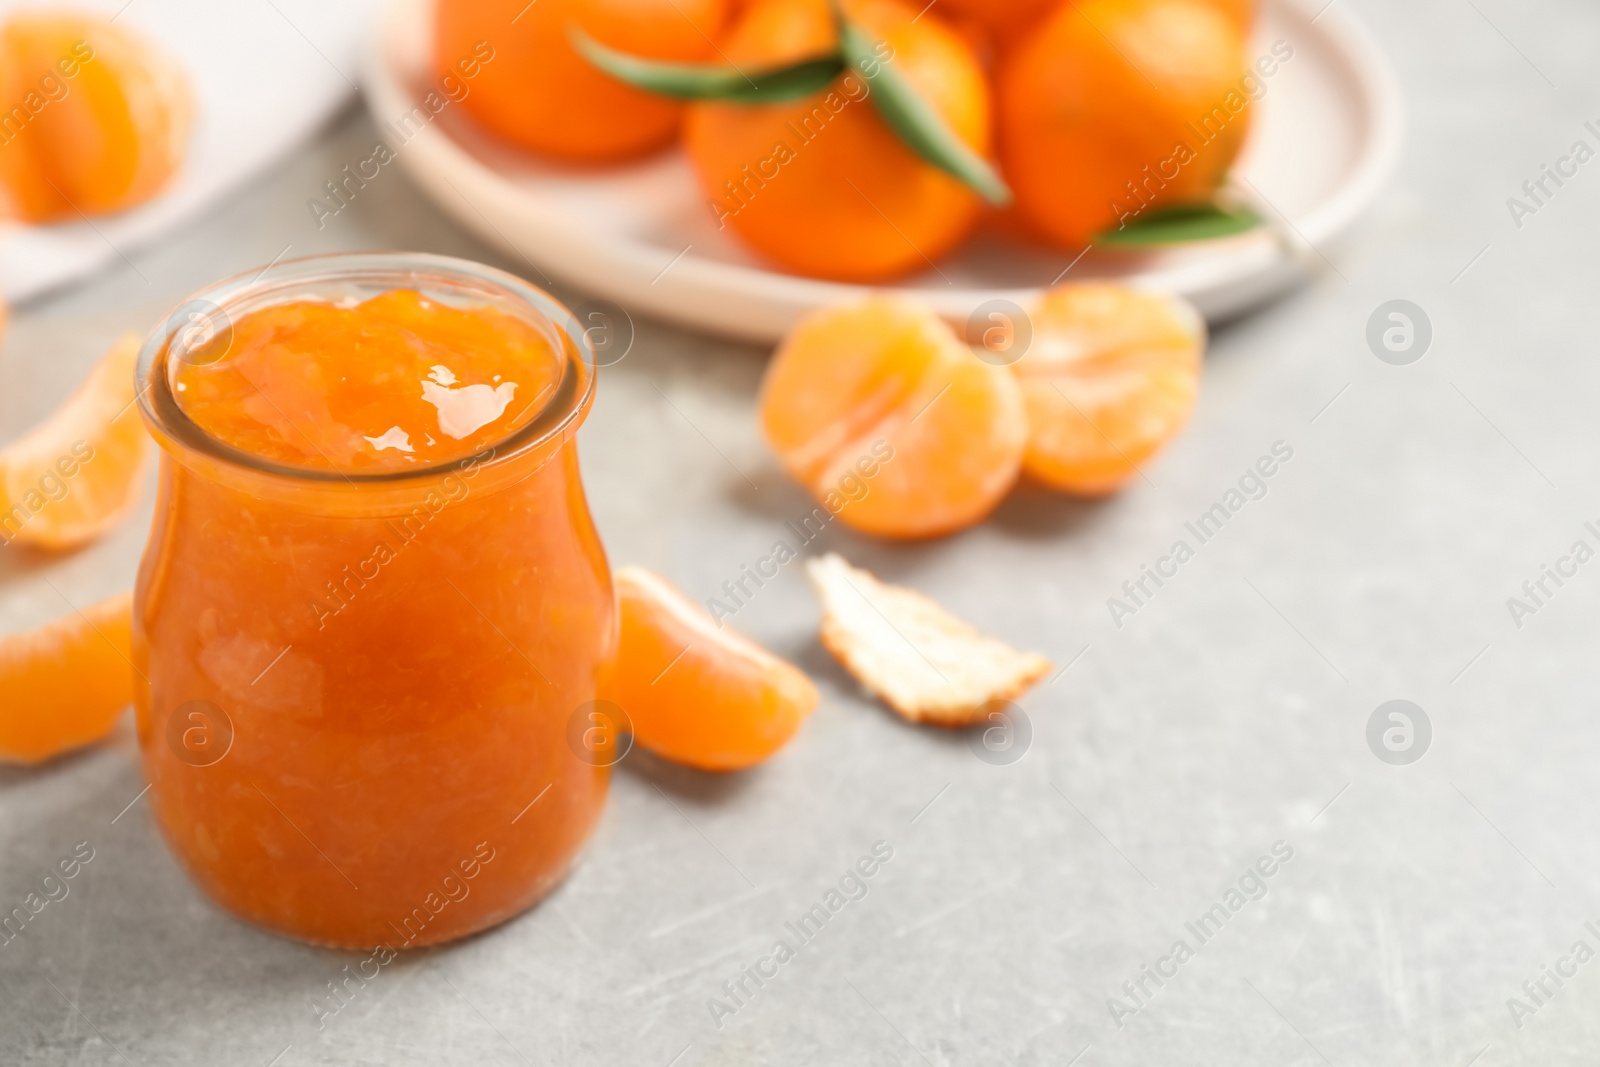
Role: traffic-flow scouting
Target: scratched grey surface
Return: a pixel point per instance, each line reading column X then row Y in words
column 1229, row 713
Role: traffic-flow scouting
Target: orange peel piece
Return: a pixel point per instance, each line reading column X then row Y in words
column 76, row 475
column 697, row 694
column 912, row 654
column 65, row 684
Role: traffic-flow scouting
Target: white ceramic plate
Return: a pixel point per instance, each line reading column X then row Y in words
column 1327, row 133
column 267, row 74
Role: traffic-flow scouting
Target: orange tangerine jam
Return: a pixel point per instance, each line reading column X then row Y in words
column 373, row 600
column 396, row 380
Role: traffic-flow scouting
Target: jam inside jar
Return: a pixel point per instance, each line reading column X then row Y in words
column 373, row 603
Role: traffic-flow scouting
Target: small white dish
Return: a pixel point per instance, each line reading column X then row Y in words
column 1327, row 134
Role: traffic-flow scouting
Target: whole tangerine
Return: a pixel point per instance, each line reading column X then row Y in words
column 821, row 184
column 1113, row 108
column 1007, row 20
column 536, row 91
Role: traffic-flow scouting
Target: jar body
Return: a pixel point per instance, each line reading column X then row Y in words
column 355, row 720
column 360, row 682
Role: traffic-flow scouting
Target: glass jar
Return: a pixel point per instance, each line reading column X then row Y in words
column 358, row 686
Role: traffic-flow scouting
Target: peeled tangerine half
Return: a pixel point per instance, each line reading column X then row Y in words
column 75, row 475
column 697, row 694
column 99, row 116
column 1109, row 378
column 912, row 654
column 881, row 411
column 64, row 684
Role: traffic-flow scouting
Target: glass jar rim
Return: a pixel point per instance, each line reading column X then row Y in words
column 566, row 405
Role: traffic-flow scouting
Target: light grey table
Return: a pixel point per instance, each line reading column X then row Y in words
column 1228, row 714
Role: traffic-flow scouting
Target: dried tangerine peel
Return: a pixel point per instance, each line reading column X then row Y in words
column 76, row 475
column 1110, row 377
column 912, row 654
column 65, row 684
column 696, row 694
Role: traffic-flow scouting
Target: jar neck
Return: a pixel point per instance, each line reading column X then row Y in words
column 517, row 456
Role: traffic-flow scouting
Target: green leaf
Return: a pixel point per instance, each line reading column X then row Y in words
column 913, row 119
column 1180, row 224
column 692, row 81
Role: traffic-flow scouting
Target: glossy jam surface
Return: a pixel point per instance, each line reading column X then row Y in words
column 355, row 723
column 397, row 380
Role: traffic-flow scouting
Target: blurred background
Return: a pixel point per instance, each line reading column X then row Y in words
column 1416, row 908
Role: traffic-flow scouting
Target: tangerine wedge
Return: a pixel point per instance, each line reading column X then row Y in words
column 1109, row 378
column 64, row 685
column 100, row 116
column 76, row 475
column 697, row 694
column 890, row 421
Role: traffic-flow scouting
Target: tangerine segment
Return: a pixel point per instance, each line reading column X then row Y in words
column 1109, row 378
column 76, row 475
column 525, row 82
column 697, row 694
column 821, row 185
column 65, row 684
column 1112, row 108
column 101, row 120
column 890, row 421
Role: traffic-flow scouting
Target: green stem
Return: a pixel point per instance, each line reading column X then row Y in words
column 913, row 119
column 1179, row 224
column 692, row 81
